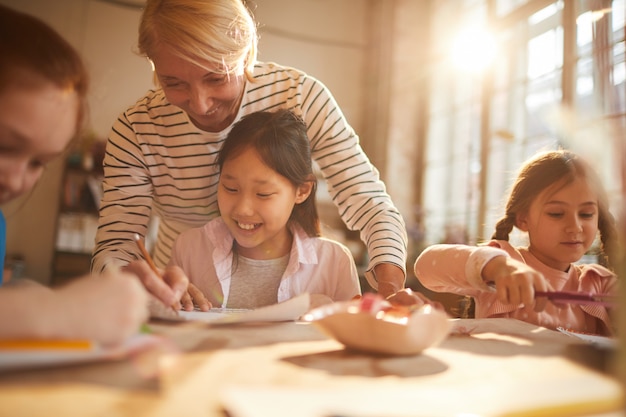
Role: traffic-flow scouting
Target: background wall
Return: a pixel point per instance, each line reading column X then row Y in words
column 328, row 39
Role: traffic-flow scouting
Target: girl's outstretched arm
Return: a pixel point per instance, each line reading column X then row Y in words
column 472, row 270
column 455, row 268
column 105, row 309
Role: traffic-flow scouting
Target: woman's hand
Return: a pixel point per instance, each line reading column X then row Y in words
column 515, row 282
column 408, row 297
column 168, row 288
column 390, row 279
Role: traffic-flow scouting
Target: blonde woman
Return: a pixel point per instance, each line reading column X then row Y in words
column 161, row 153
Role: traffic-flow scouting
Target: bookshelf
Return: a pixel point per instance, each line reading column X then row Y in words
column 77, row 221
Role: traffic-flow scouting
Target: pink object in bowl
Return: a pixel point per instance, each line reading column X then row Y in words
column 372, row 325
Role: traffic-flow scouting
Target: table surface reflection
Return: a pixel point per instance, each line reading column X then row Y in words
column 487, row 367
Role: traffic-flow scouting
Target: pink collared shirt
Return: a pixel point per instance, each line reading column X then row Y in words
column 316, row 265
column 457, row 269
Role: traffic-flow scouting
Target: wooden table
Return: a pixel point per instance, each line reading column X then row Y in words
column 491, row 367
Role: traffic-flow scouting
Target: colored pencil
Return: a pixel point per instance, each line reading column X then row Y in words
column 43, row 344
column 150, row 262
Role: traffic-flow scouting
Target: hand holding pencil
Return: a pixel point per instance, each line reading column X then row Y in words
column 167, row 286
column 146, row 255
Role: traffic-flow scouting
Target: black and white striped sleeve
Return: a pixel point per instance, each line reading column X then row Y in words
column 353, row 182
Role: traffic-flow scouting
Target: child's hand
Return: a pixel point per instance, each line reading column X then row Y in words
column 194, row 297
column 107, row 308
column 515, row 282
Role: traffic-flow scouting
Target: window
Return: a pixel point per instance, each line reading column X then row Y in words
column 558, row 80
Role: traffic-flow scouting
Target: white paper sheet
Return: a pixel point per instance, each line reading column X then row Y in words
column 288, row 310
column 600, row 341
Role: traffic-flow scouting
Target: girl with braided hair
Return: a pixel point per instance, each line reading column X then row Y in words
column 559, row 201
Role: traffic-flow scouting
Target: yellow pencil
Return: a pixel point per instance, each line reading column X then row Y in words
column 43, row 344
column 148, row 259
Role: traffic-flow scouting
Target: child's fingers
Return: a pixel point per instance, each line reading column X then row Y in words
column 186, row 302
column 527, row 295
column 199, row 298
column 502, row 292
column 541, row 302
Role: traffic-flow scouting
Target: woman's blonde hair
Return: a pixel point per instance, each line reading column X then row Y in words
column 220, row 32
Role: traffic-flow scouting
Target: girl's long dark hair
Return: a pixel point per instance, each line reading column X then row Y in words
column 548, row 169
column 281, row 140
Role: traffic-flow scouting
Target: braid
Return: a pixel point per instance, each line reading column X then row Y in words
column 504, row 227
column 608, row 238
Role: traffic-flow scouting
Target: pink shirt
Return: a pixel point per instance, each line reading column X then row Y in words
column 316, row 265
column 457, row 269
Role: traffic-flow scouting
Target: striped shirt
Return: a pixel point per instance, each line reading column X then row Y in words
column 157, row 162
